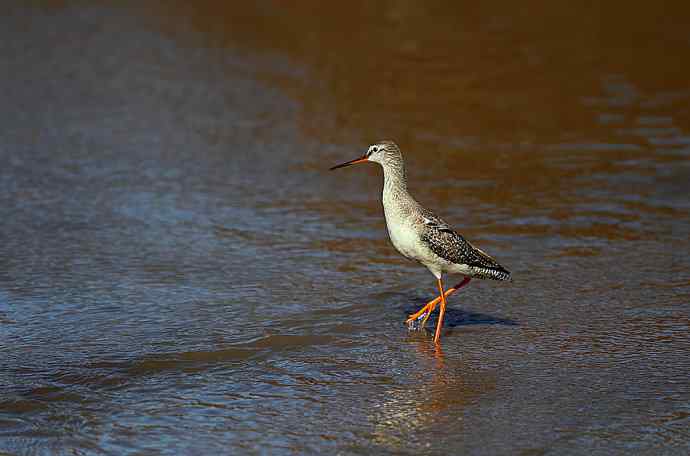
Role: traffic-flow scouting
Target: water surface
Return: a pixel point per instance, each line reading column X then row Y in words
column 179, row 274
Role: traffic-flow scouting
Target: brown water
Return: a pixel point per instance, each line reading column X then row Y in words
column 179, row 274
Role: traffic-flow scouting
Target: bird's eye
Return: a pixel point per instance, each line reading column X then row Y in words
column 375, row 149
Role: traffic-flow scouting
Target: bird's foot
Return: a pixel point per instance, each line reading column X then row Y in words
column 416, row 324
column 421, row 313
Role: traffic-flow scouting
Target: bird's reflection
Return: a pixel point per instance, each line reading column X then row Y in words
column 438, row 386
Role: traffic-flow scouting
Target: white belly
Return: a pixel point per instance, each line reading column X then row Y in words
column 405, row 239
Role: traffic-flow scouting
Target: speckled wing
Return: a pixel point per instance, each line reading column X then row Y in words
column 446, row 243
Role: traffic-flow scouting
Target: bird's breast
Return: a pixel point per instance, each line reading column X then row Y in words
column 403, row 235
column 403, row 239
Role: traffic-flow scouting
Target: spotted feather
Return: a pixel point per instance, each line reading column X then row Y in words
column 453, row 247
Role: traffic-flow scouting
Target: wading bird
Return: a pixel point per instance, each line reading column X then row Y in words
column 420, row 235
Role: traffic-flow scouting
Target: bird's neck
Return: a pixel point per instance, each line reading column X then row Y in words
column 394, row 180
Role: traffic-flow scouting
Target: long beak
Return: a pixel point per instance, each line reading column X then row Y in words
column 351, row 162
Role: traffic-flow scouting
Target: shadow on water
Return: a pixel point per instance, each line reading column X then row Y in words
column 458, row 317
column 454, row 316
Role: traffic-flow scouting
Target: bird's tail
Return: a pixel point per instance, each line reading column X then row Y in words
column 496, row 273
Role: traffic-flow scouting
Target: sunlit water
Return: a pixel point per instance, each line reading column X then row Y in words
column 180, row 274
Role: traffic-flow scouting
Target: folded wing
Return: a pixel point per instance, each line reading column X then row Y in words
column 451, row 246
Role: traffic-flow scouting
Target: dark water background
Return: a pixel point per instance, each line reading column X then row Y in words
column 179, row 274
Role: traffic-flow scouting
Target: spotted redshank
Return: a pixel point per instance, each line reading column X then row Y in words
column 420, row 235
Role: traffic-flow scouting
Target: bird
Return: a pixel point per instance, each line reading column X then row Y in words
column 418, row 234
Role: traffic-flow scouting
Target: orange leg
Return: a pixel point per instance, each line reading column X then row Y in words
column 437, row 336
column 426, row 311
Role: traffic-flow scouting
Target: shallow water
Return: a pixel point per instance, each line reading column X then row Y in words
column 179, row 273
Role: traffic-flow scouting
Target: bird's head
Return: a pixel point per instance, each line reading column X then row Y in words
column 382, row 152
